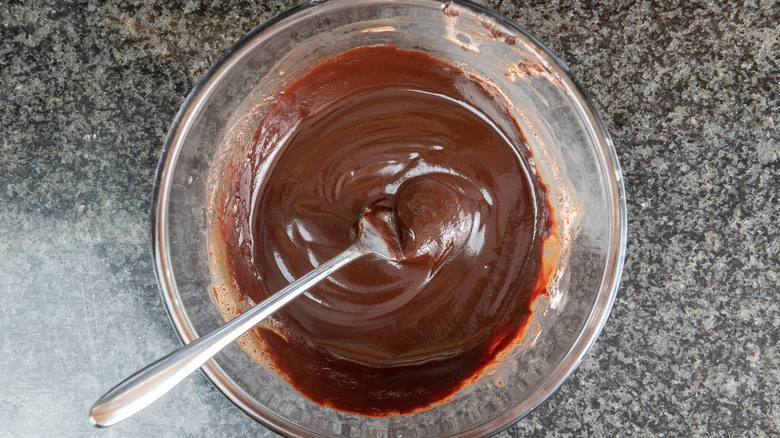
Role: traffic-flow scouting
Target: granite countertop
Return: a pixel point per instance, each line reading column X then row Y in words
column 690, row 92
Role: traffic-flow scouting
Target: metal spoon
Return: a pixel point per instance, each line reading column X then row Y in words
column 376, row 236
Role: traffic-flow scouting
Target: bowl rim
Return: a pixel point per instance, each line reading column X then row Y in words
column 181, row 123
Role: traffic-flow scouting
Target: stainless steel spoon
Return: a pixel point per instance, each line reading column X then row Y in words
column 376, row 236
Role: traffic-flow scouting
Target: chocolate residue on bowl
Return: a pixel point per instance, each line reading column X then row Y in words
column 381, row 338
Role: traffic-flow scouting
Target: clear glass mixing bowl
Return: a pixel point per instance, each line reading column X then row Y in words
column 571, row 147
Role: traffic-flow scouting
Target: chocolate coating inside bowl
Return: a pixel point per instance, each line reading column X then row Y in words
column 381, row 338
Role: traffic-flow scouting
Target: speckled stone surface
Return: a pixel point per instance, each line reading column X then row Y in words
column 690, row 92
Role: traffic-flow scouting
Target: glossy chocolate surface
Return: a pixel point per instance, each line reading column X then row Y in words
column 435, row 144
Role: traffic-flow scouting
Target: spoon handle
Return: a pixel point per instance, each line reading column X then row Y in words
column 147, row 385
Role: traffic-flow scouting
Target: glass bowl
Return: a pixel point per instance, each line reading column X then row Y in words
column 572, row 150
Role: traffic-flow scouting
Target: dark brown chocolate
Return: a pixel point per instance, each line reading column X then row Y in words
column 379, row 337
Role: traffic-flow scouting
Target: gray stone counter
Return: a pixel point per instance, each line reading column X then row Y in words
column 690, row 92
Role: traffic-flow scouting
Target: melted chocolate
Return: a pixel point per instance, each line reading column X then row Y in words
column 436, row 145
